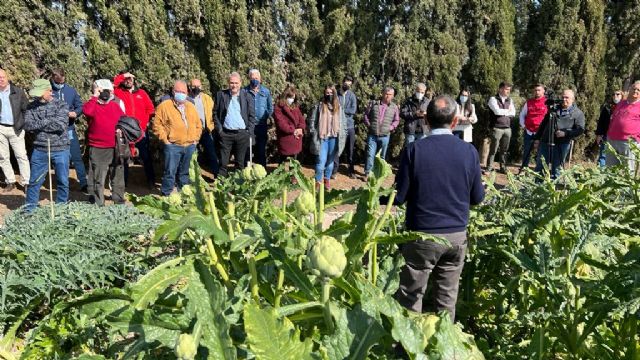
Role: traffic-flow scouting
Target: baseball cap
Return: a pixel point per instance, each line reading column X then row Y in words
column 39, row 87
column 104, row 84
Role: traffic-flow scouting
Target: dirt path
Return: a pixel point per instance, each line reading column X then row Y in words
column 15, row 199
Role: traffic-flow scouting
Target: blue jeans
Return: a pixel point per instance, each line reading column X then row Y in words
column 526, row 150
column 602, row 154
column 409, row 138
column 324, row 163
column 373, row 143
column 559, row 154
column 39, row 168
column 176, row 162
column 209, row 151
column 76, row 156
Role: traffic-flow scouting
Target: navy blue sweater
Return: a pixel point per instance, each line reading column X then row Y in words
column 439, row 178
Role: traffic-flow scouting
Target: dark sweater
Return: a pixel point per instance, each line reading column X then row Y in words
column 570, row 120
column 439, row 178
column 48, row 121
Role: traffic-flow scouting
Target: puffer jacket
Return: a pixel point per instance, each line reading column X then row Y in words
column 49, row 122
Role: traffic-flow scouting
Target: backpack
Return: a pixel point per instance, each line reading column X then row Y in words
column 129, row 134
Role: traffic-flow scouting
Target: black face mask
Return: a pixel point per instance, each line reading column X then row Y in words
column 195, row 91
column 345, row 87
column 105, row 95
column 328, row 99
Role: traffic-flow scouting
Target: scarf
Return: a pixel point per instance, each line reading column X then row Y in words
column 329, row 123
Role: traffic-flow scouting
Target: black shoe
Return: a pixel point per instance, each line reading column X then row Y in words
column 352, row 175
column 85, row 190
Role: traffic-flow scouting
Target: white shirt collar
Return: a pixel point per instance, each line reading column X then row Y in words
column 441, row 131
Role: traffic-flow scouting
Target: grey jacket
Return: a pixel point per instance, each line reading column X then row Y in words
column 48, row 121
column 571, row 121
column 349, row 103
column 312, row 127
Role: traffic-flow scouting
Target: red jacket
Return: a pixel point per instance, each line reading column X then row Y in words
column 288, row 119
column 137, row 103
column 103, row 119
column 536, row 111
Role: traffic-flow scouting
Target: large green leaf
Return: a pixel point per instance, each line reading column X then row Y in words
column 273, row 338
column 356, row 332
column 206, row 298
column 450, row 343
column 146, row 290
column 203, row 225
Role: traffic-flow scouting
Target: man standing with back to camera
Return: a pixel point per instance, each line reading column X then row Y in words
column 439, row 178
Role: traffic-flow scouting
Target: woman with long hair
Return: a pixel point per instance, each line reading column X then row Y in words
column 466, row 116
column 290, row 124
column 327, row 127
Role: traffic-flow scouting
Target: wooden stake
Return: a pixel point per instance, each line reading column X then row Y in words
column 50, row 180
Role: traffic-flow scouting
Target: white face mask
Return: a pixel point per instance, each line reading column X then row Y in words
column 463, row 99
column 419, row 96
column 290, row 100
column 616, row 100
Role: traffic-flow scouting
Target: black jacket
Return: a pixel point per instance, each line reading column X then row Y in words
column 571, row 122
column 19, row 102
column 603, row 121
column 412, row 123
column 247, row 109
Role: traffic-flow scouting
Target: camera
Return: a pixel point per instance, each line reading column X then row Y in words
column 553, row 102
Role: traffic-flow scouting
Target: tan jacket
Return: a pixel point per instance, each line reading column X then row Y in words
column 207, row 102
column 169, row 126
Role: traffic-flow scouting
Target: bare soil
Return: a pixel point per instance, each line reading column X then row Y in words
column 10, row 201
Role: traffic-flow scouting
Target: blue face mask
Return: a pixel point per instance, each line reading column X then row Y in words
column 463, row 99
column 180, row 97
column 254, row 83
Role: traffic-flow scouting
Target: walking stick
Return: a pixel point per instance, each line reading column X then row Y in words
column 250, row 150
column 50, row 180
column 570, row 154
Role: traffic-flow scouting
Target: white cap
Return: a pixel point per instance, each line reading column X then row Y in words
column 104, row 84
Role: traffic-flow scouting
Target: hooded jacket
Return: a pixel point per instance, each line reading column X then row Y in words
column 137, row 103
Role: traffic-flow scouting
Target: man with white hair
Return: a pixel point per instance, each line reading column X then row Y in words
column 178, row 126
column 414, row 113
column 103, row 112
column 13, row 103
column 556, row 132
column 235, row 116
column 263, row 103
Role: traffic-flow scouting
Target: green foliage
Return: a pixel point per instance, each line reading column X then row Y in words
column 240, row 287
column 44, row 259
column 549, row 270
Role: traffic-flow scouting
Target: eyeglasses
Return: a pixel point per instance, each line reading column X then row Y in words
column 635, row 89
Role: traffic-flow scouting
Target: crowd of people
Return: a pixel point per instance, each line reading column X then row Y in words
column 439, row 176
column 234, row 124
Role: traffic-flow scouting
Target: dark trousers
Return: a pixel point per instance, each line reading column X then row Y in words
column 500, row 139
column 261, row 135
column 232, row 141
column 145, row 155
column 209, row 151
column 443, row 264
column 527, row 149
column 349, row 147
column 76, row 156
column 554, row 156
column 102, row 162
column 176, row 162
